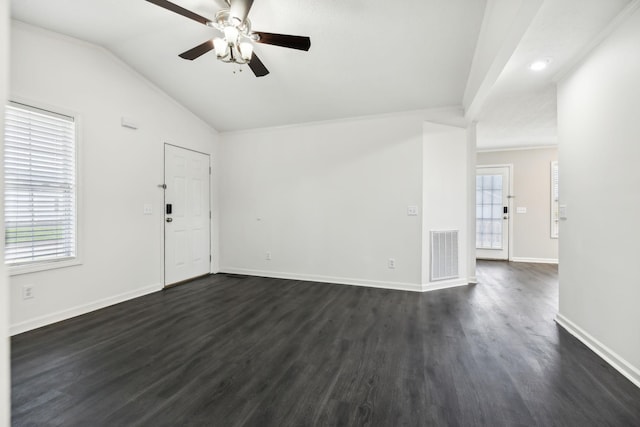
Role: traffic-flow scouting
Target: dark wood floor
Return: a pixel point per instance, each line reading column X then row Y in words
column 225, row 351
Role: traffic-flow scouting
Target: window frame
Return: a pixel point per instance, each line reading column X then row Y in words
column 43, row 265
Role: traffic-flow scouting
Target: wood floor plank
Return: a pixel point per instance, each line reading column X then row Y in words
column 233, row 351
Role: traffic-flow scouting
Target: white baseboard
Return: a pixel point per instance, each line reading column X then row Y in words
column 444, row 284
column 398, row 286
column 535, row 260
column 48, row 319
column 620, row 364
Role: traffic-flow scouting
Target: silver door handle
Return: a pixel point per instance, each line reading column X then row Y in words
column 504, row 217
column 169, row 219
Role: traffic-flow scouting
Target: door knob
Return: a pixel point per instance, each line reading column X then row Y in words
column 169, row 219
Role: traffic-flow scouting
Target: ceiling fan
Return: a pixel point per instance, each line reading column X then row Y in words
column 236, row 45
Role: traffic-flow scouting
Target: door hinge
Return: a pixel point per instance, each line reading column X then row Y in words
column 209, row 170
column 209, row 214
column 209, row 258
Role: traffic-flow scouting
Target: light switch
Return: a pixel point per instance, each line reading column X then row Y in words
column 148, row 209
column 412, row 210
column 521, row 210
column 563, row 211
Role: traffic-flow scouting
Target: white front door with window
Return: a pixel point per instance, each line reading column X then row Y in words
column 492, row 212
column 186, row 214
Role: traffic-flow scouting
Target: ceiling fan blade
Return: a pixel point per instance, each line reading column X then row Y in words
column 197, row 51
column 180, row 11
column 284, row 40
column 257, row 66
column 240, row 9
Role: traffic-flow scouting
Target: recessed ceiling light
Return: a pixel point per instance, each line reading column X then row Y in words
column 540, row 64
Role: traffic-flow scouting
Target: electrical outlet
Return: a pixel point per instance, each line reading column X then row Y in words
column 391, row 263
column 268, row 257
column 27, row 292
column 147, row 209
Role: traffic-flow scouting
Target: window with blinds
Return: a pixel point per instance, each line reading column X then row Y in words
column 555, row 211
column 40, row 186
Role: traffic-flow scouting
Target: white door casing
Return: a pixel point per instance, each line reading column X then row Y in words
column 187, row 248
column 492, row 212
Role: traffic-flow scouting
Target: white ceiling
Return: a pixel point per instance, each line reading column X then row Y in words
column 366, row 57
column 521, row 109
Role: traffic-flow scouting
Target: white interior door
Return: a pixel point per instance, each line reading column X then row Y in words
column 492, row 212
column 187, row 252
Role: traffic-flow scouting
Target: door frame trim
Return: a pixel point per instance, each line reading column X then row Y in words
column 188, row 149
column 510, row 204
column 162, row 214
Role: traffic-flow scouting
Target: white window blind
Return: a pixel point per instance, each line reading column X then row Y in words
column 40, row 185
column 555, row 212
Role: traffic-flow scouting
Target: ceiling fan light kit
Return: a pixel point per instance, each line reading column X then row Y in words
column 236, row 43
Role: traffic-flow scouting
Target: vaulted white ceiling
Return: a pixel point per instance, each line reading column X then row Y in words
column 366, row 57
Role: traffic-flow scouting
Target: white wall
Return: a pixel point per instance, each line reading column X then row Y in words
column 445, row 176
column 599, row 134
column 327, row 200
column 531, row 231
column 120, row 171
column 472, row 145
column 4, row 283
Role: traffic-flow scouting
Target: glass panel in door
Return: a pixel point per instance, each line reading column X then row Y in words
column 492, row 225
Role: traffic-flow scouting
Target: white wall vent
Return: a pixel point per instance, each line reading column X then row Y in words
column 444, row 255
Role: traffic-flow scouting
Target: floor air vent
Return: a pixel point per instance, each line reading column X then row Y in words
column 444, row 255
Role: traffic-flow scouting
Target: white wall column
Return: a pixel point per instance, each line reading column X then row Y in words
column 471, row 201
column 444, row 196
